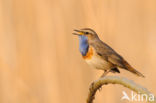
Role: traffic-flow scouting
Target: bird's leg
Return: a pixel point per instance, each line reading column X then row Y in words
column 105, row 73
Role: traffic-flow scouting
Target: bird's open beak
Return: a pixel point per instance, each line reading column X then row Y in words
column 78, row 32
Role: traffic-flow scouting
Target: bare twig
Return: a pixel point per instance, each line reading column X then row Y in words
column 116, row 80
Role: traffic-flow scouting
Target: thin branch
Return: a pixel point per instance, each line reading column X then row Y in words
column 116, row 80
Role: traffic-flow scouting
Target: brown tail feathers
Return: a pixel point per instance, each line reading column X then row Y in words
column 131, row 69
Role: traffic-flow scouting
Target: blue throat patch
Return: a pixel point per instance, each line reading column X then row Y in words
column 83, row 44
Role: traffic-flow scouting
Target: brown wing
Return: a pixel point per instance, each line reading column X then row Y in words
column 116, row 60
column 108, row 53
column 111, row 56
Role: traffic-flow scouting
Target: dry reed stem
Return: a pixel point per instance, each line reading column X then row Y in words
column 116, row 80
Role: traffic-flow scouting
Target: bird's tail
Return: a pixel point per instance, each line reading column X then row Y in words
column 131, row 69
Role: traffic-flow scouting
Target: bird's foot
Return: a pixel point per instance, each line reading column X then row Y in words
column 103, row 75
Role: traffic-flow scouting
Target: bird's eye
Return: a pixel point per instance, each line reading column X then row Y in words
column 86, row 32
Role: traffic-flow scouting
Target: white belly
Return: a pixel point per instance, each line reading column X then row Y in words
column 98, row 63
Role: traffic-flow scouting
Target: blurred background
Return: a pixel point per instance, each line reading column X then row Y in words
column 39, row 57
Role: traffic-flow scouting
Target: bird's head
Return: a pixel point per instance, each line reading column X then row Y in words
column 87, row 32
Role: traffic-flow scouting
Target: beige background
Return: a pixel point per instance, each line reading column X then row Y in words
column 39, row 57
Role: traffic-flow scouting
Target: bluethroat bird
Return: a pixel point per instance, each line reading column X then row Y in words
column 99, row 55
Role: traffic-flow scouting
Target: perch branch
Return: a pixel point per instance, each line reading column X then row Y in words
column 116, row 80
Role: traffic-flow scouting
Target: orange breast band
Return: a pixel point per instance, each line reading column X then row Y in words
column 89, row 54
